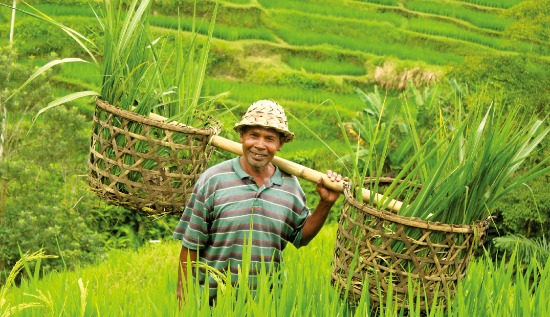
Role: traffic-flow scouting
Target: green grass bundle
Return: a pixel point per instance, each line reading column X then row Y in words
column 465, row 160
column 451, row 176
column 136, row 162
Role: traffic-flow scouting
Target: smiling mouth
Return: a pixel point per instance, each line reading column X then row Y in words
column 257, row 155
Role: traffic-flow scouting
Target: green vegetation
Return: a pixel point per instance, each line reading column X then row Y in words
column 222, row 31
column 326, row 67
column 465, row 155
column 451, row 9
column 443, row 28
column 143, row 283
column 494, row 3
column 305, row 55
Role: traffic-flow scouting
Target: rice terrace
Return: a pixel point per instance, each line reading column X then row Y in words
column 435, row 113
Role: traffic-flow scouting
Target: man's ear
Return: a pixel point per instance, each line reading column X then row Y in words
column 281, row 143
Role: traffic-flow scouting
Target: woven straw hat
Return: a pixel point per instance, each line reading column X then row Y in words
column 267, row 114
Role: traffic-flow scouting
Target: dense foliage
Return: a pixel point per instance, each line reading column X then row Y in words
column 42, row 177
column 143, row 284
column 44, row 201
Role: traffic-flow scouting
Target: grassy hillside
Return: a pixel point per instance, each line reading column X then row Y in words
column 304, row 53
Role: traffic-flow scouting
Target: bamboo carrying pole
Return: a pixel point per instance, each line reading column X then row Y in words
column 303, row 172
column 297, row 170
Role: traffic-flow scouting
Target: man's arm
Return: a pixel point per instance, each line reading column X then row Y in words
column 186, row 254
column 315, row 221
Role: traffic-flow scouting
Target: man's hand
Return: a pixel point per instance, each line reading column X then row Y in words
column 317, row 219
column 328, row 195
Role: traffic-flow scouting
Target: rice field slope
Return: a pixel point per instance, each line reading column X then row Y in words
column 309, row 54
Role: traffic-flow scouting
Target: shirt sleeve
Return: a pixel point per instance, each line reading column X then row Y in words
column 192, row 228
column 296, row 237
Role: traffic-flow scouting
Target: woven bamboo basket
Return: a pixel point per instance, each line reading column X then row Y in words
column 143, row 164
column 432, row 256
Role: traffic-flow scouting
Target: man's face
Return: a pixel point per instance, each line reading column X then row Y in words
column 260, row 145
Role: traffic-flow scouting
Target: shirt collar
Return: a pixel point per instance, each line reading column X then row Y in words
column 276, row 178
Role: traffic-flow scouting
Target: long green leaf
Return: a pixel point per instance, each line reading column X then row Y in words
column 44, row 69
column 79, row 38
column 65, row 99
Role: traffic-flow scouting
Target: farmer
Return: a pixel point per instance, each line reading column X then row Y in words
column 249, row 197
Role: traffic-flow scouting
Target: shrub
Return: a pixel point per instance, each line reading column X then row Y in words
column 47, row 204
column 526, row 210
column 27, row 30
column 522, row 79
column 44, row 199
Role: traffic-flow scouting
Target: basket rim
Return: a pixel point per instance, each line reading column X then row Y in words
column 413, row 221
column 173, row 125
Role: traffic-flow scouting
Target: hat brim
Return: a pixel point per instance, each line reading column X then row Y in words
column 288, row 136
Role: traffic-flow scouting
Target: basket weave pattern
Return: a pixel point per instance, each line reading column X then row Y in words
column 387, row 250
column 144, row 164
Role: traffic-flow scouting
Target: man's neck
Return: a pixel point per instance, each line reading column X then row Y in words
column 260, row 174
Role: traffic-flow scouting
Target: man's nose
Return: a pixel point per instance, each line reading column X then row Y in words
column 260, row 143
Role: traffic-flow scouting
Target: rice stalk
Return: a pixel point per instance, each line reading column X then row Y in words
column 83, row 296
column 6, row 309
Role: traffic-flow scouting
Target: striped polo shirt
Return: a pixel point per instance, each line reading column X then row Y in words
column 228, row 208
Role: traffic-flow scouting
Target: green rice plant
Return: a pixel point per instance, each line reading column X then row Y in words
column 478, row 166
column 338, row 9
column 326, row 67
column 119, row 286
column 487, row 284
column 222, row 31
column 447, row 29
column 470, row 161
column 8, row 309
column 526, row 248
column 505, row 4
column 381, row 38
column 481, row 19
column 134, row 68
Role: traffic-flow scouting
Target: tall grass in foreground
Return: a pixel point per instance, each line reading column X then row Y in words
column 142, row 283
column 37, row 300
